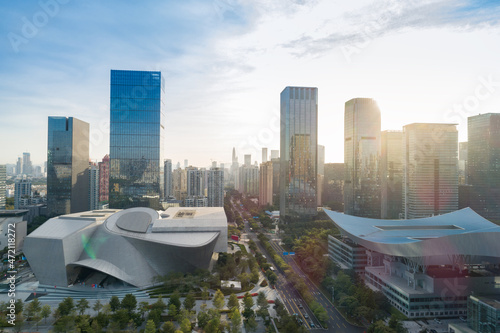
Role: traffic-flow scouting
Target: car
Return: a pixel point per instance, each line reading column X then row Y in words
column 437, row 321
column 306, row 316
column 462, row 318
column 301, row 306
column 311, row 324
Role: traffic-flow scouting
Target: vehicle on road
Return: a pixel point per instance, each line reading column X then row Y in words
column 300, row 306
column 311, row 324
column 306, row 316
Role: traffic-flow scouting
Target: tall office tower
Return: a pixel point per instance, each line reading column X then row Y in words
column 361, row 158
column 27, row 165
column 137, row 132
column 194, row 182
column 19, row 166
column 179, row 183
column 264, row 155
column 333, row 186
column 483, row 164
column 67, row 166
column 248, row 160
column 275, row 154
column 276, row 179
column 3, row 187
column 104, row 179
column 266, row 184
column 22, row 190
column 214, row 164
column 167, row 174
column 430, row 169
column 234, row 170
column 45, row 168
column 321, row 174
column 186, row 164
column 462, row 162
column 178, row 165
column 298, row 149
column 93, row 186
column 215, row 190
column 391, row 175
column 37, row 171
column 249, row 180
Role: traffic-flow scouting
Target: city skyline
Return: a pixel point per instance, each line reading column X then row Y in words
column 362, row 49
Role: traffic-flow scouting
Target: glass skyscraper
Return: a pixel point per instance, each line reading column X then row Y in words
column 299, row 148
column 361, row 158
column 67, row 166
column 137, row 128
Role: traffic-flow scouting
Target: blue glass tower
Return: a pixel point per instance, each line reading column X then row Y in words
column 298, row 149
column 137, row 126
column 67, row 166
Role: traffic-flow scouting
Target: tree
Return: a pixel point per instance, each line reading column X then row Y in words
column 172, row 310
column 186, row 326
column 218, row 300
column 263, row 311
column 203, row 319
column 168, row 327
column 66, row 306
column 45, row 312
column 251, row 324
column 155, row 316
column 396, row 325
column 175, row 299
column 248, row 304
column 82, row 305
column 159, row 305
column 32, row 309
column 114, row 303
column 129, row 303
column 233, row 302
column 235, row 320
column 189, row 301
column 121, row 317
column 97, row 306
column 379, row 327
column 143, row 308
column 150, row 327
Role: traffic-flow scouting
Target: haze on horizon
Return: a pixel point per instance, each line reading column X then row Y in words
column 225, row 63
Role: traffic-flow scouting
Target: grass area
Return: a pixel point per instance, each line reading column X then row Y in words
column 242, row 247
column 394, row 312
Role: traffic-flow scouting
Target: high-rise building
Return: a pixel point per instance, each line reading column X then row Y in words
column 298, row 149
column 235, row 170
column 27, row 165
column 3, row 179
column 430, row 169
column 186, row 164
column 266, row 184
column 483, row 164
column 194, row 182
column 333, row 186
column 361, row 158
column 19, row 166
column 167, row 174
column 264, row 155
column 462, row 163
column 22, row 190
column 248, row 160
column 67, row 166
column 104, row 179
column 137, row 132
column 275, row 154
column 249, row 180
column 179, row 183
column 93, row 186
column 276, row 178
column 391, row 175
column 321, row 174
column 215, row 187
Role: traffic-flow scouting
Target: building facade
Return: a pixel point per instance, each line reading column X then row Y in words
column 67, row 166
column 104, row 179
column 266, row 184
column 3, row 186
column 391, row 175
column 361, row 158
column 483, row 164
column 215, row 187
column 137, row 132
column 27, row 165
column 430, row 169
column 167, row 174
column 298, row 152
column 93, row 186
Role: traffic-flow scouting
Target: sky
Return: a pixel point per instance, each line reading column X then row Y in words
column 225, row 63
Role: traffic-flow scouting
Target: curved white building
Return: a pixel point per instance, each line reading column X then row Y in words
column 426, row 267
column 133, row 245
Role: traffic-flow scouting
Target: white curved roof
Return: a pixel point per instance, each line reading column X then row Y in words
column 459, row 232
